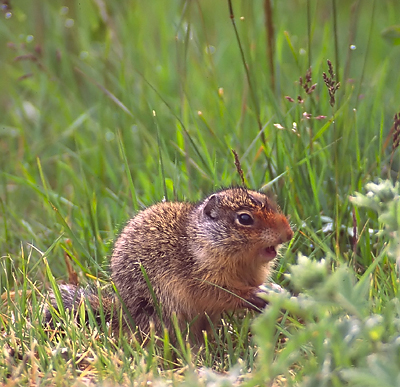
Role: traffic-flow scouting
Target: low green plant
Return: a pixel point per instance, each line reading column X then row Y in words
column 333, row 330
column 384, row 199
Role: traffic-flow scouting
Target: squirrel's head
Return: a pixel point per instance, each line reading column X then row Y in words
column 240, row 222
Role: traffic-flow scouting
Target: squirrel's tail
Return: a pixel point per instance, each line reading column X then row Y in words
column 102, row 304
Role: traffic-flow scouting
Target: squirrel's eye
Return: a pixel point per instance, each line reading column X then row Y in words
column 245, row 219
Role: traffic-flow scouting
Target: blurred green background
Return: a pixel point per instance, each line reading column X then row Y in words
column 106, row 107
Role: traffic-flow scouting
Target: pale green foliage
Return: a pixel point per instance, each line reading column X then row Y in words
column 384, row 198
column 308, row 273
column 337, row 340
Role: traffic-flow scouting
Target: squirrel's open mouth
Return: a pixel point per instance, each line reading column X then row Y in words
column 269, row 253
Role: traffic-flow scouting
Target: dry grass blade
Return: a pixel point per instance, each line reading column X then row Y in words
column 238, row 167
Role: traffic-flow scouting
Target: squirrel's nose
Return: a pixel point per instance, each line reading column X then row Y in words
column 286, row 232
column 289, row 234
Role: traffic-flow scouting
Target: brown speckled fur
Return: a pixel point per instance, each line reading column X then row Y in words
column 198, row 259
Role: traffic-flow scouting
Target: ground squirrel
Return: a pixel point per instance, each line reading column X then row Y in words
column 200, row 260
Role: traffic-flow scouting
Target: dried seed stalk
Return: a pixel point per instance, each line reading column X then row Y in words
column 331, row 83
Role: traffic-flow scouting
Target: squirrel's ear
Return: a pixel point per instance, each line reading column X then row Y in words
column 210, row 206
column 256, row 201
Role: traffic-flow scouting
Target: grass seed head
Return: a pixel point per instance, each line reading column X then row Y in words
column 331, row 83
column 396, row 132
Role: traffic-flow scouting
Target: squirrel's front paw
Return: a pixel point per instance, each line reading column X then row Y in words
column 272, row 288
column 255, row 301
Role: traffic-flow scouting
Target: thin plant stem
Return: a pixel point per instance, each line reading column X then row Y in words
column 336, row 38
column 371, row 26
column 246, row 68
column 309, row 33
column 269, row 26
